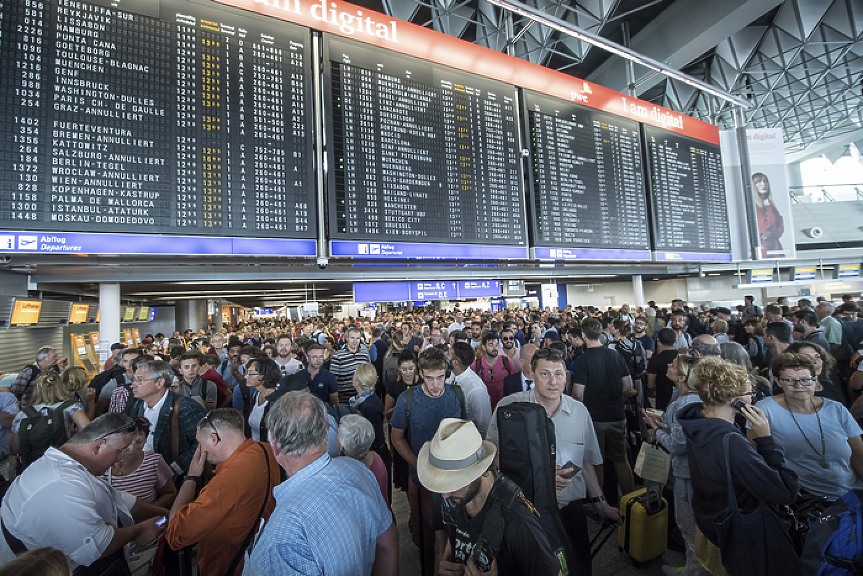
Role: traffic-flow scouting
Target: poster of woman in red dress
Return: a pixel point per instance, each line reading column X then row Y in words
column 771, row 226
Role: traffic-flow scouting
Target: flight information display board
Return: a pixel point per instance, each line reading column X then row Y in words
column 587, row 182
column 154, row 118
column 420, row 153
column 687, row 197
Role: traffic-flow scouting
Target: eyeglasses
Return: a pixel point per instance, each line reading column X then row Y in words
column 124, row 429
column 141, row 380
column 508, row 339
column 798, row 381
column 211, row 425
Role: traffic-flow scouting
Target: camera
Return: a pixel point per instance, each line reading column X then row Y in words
column 323, row 263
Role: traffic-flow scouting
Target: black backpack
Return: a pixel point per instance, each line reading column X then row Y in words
column 527, row 450
column 634, row 355
column 40, row 429
column 35, row 372
column 102, row 378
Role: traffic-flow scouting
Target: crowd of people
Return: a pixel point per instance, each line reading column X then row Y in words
column 276, row 447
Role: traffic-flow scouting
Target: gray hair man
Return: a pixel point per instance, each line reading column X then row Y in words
column 326, row 500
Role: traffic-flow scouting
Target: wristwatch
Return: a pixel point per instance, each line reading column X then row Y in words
column 195, row 479
column 594, row 500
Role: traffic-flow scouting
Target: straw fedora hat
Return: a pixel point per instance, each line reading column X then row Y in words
column 455, row 457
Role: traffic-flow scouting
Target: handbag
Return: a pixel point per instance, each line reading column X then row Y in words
column 751, row 542
column 653, row 463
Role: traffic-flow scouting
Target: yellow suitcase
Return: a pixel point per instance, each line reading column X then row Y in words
column 644, row 534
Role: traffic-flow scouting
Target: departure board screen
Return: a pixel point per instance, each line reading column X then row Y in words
column 687, row 193
column 143, row 117
column 420, row 152
column 587, row 181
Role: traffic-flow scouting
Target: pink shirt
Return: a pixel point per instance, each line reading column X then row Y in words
column 493, row 377
column 144, row 482
column 380, row 472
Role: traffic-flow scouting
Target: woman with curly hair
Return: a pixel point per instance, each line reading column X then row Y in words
column 733, row 481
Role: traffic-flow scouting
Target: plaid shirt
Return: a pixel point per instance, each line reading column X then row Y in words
column 191, row 412
column 119, row 397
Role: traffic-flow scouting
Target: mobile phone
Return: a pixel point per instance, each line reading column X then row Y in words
column 739, row 405
column 161, row 521
column 570, row 473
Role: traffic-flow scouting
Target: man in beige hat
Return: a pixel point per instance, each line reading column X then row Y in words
column 484, row 524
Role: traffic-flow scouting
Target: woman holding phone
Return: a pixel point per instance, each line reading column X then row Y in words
column 733, row 481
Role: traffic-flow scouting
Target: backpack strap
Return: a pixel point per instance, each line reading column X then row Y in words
column 459, row 393
column 409, row 400
column 503, row 496
column 248, row 540
column 175, row 430
column 851, row 500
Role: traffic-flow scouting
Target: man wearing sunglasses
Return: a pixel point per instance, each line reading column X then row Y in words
column 59, row 501
column 154, row 401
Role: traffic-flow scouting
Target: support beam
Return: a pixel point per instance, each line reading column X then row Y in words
column 109, row 319
column 680, row 34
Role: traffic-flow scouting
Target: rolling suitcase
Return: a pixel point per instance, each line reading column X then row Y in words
column 644, row 534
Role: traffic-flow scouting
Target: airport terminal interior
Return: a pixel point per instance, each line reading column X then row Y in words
column 213, row 164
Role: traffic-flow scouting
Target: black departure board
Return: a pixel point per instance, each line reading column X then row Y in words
column 143, row 117
column 420, row 153
column 587, row 181
column 687, row 193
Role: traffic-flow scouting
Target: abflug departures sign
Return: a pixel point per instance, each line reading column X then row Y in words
column 149, row 118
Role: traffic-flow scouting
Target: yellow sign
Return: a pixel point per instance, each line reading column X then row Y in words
column 144, row 314
column 130, row 314
column 78, row 315
column 26, row 312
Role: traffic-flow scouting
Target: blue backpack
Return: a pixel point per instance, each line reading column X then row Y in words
column 834, row 545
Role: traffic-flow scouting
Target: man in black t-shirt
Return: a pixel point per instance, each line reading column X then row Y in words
column 601, row 380
column 657, row 368
column 457, row 465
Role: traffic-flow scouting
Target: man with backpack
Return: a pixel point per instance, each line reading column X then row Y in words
column 416, row 417
column 577, row 448
column 46, row 359
column 475, row 496
column 602, row 380
column 492, row 367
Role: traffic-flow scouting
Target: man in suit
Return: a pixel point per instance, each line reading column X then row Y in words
column 154, row 401
column 521, row 381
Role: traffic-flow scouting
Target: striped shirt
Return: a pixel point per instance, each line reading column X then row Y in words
column 144, row 482
column 343, row 365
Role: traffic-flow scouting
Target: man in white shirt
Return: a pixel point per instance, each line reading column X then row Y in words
column 285, row 359
column 59, row 501
column 476, row 398
column 458, row 324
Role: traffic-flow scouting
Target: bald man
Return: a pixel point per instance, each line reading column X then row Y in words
column 521, row 381
column 705, row 345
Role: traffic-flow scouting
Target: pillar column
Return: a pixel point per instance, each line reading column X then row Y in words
column 217, row 316
column 190, row 314
column 638, row 289
column 109, row 319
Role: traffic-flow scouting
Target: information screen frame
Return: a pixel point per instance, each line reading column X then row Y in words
column 47, row 236
column 663, row 253
column 544, row 249
column 385, row 246
column 78, row 313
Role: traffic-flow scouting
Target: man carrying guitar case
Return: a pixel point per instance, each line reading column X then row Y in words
column 547, row 445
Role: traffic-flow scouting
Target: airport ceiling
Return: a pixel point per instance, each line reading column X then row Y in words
column 799, row 62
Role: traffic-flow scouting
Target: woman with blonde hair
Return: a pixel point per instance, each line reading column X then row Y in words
column 733, row 481
column 75, row 380
column 367, row 404
column 49, row 396
column 38, row 562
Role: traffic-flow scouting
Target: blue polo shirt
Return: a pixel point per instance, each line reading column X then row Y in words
column 426, row 415
column 323, row 384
